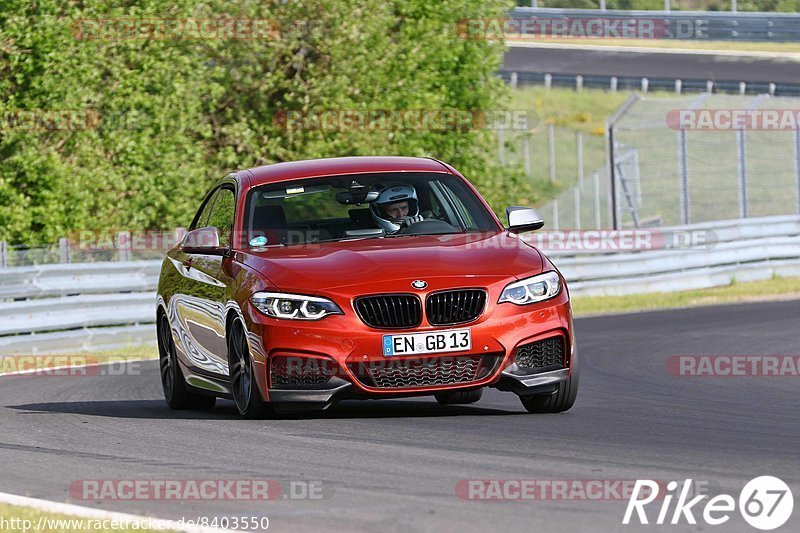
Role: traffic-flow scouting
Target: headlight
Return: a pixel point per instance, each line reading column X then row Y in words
column 294, row 306
column 533, row 289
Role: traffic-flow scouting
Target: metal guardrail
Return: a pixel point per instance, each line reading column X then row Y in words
column 693, row 25
column 636, row 83
column 70, row 312
column 716, row 233
column 81, row 340
column 83, row 278
column 700, row 278
column 739, row 250
column 65, row 306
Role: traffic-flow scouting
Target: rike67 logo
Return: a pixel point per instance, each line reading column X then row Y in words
column 765, row 502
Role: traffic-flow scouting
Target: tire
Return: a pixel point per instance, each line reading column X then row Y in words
column 459, row 397
column 243, row 386
column 176, row 392
column 557, row 402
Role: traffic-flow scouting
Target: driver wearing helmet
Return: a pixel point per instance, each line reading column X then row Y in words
column 396, row 207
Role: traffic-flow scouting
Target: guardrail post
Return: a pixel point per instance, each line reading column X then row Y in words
column 611, row 161
column 579, row 142
column 710, row 86
column 513, row 82
column 797, row 164
column 579, row 83
column 683, row 172
column 596, row 178
column 551, row 133
column 614, row 83
column 679, row 86
column 772, row 88
column 63, row 250
column 124, row 246
column 555, row 214
column 645, row 85
column 742, row 88
column 548, row 81
column 741, row 157
column 3, row 255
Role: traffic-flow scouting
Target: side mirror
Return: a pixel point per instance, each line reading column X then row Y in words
column 203, row 241
column 523, row 219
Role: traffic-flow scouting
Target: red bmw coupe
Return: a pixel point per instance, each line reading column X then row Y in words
column 305, row 283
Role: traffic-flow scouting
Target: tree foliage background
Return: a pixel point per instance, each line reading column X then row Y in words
column 177, row 114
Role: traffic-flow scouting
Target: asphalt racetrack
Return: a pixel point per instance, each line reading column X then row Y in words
column 617, row 62
column 394, row 465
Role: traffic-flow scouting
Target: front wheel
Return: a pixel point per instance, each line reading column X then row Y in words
column 243, row 385
column 559, row 401
column 176, row 393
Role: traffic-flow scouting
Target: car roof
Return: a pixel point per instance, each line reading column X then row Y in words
column 339, row 166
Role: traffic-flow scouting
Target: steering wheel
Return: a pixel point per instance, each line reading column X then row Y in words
column 429, row 227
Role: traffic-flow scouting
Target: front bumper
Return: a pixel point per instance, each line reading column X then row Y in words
column 347, row 343
column 539, row 383
column 288, row 400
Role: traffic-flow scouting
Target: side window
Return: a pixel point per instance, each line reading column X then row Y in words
column 203, row 214
column 463, row 213
column 222, row 215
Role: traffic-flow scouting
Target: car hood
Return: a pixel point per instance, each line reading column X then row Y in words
column 481, row 257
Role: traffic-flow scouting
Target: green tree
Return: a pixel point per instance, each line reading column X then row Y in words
column 170, row 116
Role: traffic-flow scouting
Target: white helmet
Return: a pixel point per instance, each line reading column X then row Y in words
column 391, row 195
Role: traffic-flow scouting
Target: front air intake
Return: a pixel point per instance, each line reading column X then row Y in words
column 447, row 308
column 390, row 311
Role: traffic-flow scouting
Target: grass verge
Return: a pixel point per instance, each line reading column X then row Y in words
column 17, row 518
column 11, row 364
column 771, row 289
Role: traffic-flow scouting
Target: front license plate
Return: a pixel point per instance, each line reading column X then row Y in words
column 453, row 340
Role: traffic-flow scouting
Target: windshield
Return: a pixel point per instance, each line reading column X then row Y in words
column 363, row 206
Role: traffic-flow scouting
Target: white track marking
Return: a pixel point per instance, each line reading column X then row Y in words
column 100, row 514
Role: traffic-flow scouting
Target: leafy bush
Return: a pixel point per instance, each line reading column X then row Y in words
column 168, row 117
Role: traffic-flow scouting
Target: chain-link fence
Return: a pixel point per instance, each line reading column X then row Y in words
column 93, row 247
column 688, row 160
column 568, row 159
